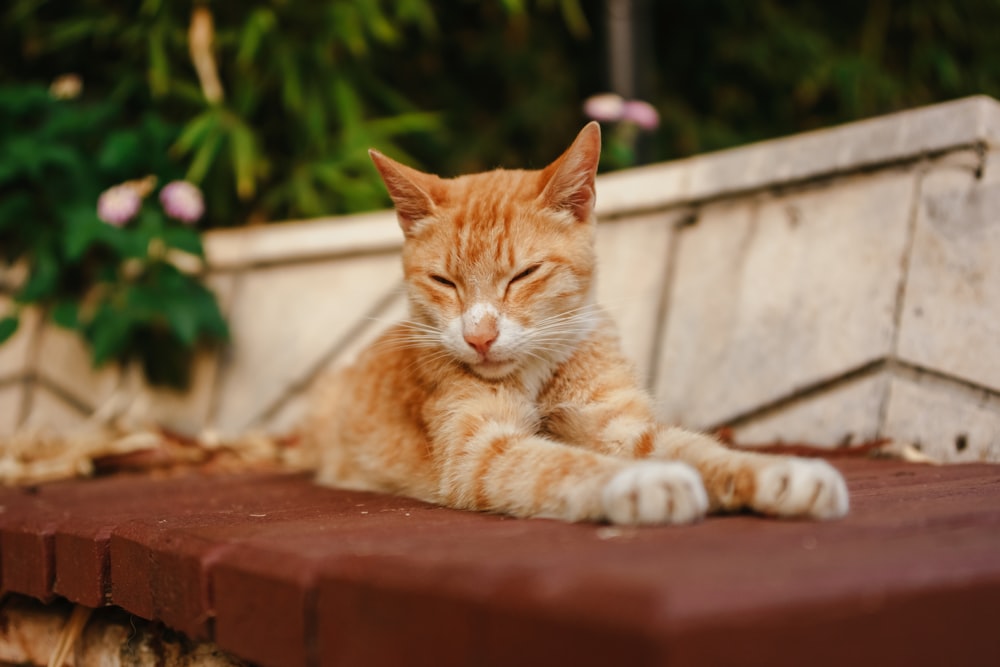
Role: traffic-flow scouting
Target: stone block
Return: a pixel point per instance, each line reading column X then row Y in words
column 15, row 352
column 632, row 256
column 951, row 316
column 848, row 413
column 643, row 188
column 950, row 423
column 288, row 416
column 64, row 360
column 316, row 239
column 49, row 413
column 11, row 395
column 775, row 295
column 286, row 321
column 189, row 411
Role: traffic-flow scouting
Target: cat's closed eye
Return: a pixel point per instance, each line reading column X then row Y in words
column 442, row 280
column 524, row 274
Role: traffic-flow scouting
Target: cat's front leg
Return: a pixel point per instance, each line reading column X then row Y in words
column 490, row 457
column 784, row 486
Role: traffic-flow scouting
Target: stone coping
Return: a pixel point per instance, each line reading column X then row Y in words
column 893, row 138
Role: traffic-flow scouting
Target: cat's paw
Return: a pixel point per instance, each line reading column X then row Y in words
column 651, row 492
column 795, row 487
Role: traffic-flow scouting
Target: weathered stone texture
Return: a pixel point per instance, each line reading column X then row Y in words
column 849, row 413
column 950, row 424
column 286, row 320
column 781, row 294
column 951, row 316
column 632, row 259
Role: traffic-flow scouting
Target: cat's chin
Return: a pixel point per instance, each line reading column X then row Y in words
column 493, row 370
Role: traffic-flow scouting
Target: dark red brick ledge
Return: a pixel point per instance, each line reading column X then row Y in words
column 281, row 572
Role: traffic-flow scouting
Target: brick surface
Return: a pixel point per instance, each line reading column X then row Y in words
column 282, row 572
column 27, row 558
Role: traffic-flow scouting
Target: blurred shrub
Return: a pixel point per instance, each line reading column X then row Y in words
column 727, row 72
column 308, row 87
column 463, row 85
column 116, row 281
column 288, row 138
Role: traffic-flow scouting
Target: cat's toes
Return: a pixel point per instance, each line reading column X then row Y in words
column 651, row 492
column 801, row 488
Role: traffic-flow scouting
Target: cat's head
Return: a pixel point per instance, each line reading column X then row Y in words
column 499, row 266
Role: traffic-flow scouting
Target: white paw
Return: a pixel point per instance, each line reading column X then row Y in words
column 649, row 492
column 801, row 488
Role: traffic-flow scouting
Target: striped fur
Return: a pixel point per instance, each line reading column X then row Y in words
column 506, row 390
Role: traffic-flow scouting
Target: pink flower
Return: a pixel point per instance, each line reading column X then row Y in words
column 606, row 107
column 183, row 201
column 66, row 87
column 118, row 205
column 642, row 114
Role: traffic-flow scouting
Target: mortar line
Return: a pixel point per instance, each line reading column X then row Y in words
column 224, row 349
column 30, row 377
column 323, row 361
column 901, row 287
column 895, row 367
column 803, row 394
column 664, row 298
column 67, row 397
column 923, row 375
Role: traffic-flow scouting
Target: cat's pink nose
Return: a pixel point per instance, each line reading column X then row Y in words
column 481, row 340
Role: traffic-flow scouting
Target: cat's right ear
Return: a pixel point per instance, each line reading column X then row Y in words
column 409, row 189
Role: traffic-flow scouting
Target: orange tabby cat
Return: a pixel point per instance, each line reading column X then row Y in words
column 506, row 389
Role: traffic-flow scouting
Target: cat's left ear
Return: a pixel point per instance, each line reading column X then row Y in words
column 569, row 181
column 412, row 191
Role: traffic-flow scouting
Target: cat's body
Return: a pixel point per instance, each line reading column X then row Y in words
column 506, row 390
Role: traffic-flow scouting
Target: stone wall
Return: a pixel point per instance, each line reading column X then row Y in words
column 829, row 287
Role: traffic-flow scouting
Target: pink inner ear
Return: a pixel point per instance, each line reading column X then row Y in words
column 409, row 189
column 570, row 179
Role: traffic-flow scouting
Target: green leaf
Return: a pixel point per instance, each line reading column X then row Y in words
column 184, row 238
column 15, row 210
column 183, row 321
column 66, row 314
column 244, row 156
column 159, row 63
column 109, row 338
column 8, row 325
column 258, row 24
column 348, row 104
column 79, row 234
column 42, row 279
column 195, row 132
column 204, row 157
column 119, row 148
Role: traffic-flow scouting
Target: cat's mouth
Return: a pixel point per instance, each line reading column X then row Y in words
column 493, row 368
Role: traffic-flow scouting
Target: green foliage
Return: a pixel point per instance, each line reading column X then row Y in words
column 301, row 102
column 117, row 286
column 726, row 72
